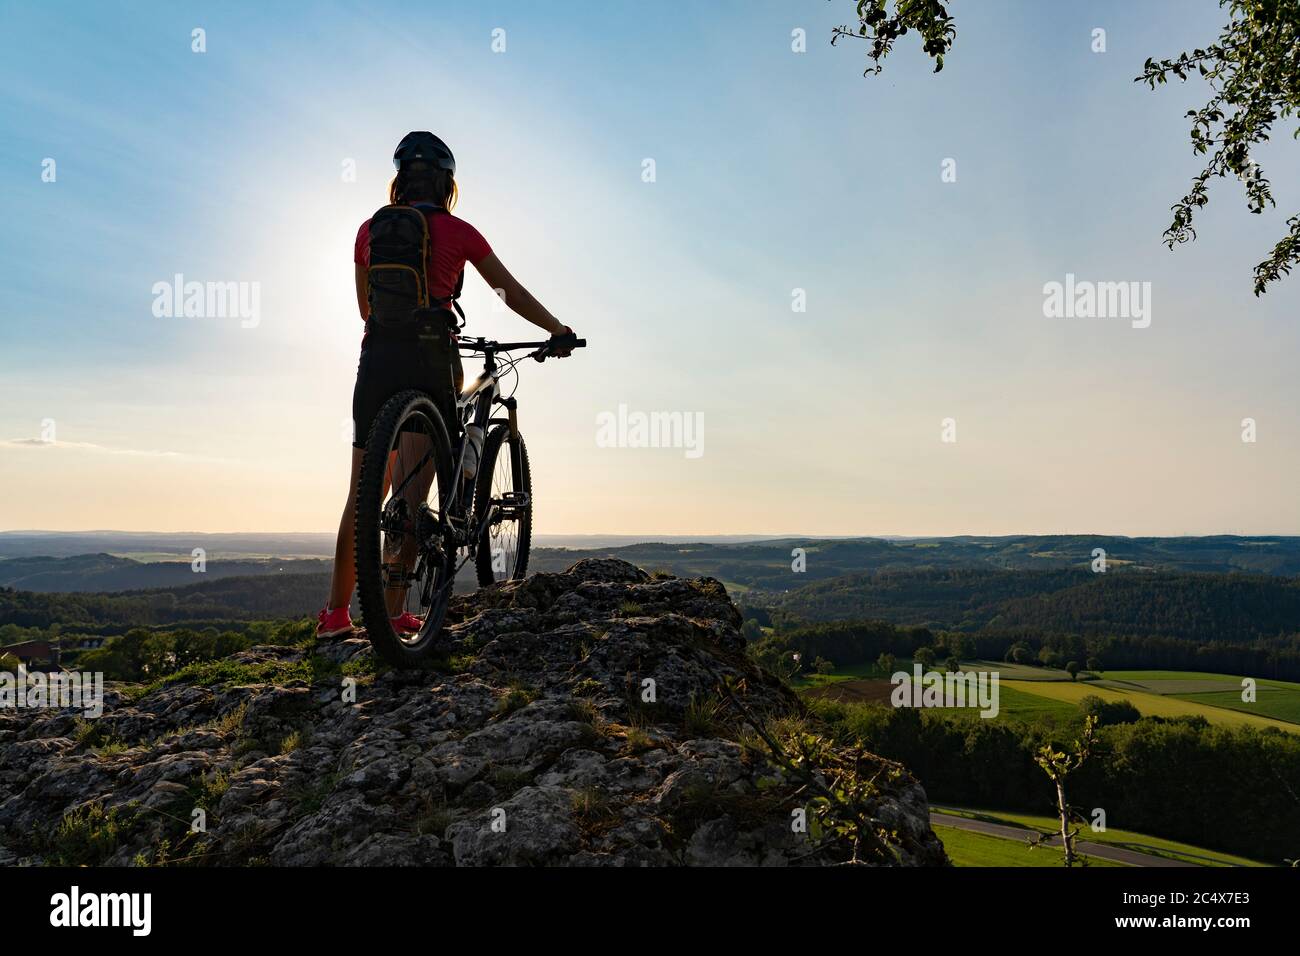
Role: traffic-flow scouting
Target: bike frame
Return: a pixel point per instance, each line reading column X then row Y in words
column 474, row 407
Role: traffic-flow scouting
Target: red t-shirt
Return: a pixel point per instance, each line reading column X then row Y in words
column 453, row 243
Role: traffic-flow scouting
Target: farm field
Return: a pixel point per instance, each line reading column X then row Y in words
column 1151, row 704
column 1124, row 839
column 1027, row 693
column 851, row 672
column 1140, row 676
column 1022, row 705
column 868, row 671
column 1279, row 700
column 1011, row 703
column 1278, row 703
column 1009, row 671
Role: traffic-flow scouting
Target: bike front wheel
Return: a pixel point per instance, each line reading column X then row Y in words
column 503, row 497
column 405, row 550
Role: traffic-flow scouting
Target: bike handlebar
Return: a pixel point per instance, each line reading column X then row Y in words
column 545, row 349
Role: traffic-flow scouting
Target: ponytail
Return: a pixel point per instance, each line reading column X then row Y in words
column 437, row 186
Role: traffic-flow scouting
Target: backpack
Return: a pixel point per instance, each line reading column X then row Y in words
column 397, row 284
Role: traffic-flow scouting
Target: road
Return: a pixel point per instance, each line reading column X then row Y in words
column 1100, row 850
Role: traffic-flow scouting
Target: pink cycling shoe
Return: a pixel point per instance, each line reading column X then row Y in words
column 407, row 623
column 332, row 623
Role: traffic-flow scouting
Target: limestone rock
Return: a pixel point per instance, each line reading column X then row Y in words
column 577, row 721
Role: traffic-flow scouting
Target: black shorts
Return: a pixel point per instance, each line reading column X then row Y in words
column 390, row 365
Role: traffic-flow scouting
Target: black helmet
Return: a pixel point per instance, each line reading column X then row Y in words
column 423, row 148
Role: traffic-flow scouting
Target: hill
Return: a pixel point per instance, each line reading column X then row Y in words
column 762, row 565
column 591, row 717
column 1202, row 607
column 107, row 572
column 219, row 600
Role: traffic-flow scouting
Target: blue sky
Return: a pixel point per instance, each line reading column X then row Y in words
column 775, row 171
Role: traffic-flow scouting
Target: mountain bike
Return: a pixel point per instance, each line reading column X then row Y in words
column 420, row 517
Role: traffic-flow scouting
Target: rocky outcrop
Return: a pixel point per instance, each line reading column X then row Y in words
column 594, row 717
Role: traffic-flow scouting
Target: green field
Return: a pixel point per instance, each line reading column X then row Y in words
column 1152, row 705
column 978, row 849
column 1004, row 670
column 1275, row 699
column 851, row 672
column 1009, row 671
column 1272, row 702
column 1124, row 839
column 1137, row 676
column 1022, row 705
column 1172, row 687
column 1028, row 693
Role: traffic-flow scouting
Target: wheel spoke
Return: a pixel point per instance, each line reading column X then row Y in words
column 503, row 533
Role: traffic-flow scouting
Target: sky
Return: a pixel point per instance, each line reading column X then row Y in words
column 796, row 279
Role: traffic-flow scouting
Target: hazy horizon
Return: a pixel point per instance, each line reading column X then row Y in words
column 651, row 536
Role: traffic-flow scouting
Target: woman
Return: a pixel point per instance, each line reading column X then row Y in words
column 425, row 180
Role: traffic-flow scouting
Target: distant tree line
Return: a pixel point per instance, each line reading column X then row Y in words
column 1237, row 624
column 227, row 599
column 1204, row 607
column 849, row 643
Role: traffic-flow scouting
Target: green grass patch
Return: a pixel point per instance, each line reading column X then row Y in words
column 89, row 836
column 519, row 695
column 228, row 671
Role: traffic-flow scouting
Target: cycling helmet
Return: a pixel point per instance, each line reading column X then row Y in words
column 423, row 149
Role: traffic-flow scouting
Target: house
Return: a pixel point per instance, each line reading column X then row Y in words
column 34, row 655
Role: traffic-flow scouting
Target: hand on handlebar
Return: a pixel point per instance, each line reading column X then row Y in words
column 561, row 353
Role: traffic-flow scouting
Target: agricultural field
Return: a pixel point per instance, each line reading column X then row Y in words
column 1151, row 704
column 1011, row 703
column 1029, row 693
column 1016, row 704
column 1277, row 699
column 1009, row 671
column 1276, row 703
column 1139, row 676
column 1004, row 670
column 852, row 672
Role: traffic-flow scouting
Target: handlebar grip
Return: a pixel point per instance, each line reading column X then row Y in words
column 567, row 342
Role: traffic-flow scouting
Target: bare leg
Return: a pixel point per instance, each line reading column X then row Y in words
column 411, row 450
column 345, row 561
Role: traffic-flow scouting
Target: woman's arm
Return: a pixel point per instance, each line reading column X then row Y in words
column 363, row 302
column 519, row 299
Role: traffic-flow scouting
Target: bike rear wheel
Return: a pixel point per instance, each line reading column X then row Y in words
column 504, row 492
column 405, row 551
